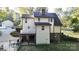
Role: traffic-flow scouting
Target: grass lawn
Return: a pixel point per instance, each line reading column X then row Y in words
column 71, row 34
column 62, row 46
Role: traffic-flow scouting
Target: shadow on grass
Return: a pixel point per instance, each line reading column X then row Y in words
column 68, row 38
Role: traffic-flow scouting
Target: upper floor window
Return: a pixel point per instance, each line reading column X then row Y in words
column 25, row 20
column 43, row 28
column 43, row 11
column 50, row 20
column 28, row 27
column 38, row 19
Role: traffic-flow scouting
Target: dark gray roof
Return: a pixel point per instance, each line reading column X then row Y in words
column 57, row 21
column 42, row 23
column 47, row 15
column 26, row 16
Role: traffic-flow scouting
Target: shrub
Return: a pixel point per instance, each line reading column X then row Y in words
column 76, row 28
column 18, row 29
column 14, row 34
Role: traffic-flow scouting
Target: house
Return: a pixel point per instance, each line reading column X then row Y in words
column 7, row 42
column 42, row 28
column 7, row 23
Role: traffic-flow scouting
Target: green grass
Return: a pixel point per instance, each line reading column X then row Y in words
column 71, row 45
column 62, row 46
column 71, row 34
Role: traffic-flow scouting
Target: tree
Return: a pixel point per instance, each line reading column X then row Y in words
column 24, row 10
column 59, row 11
column 3, row 15
column 70, row 17
column 30, row 10
column 65, row 15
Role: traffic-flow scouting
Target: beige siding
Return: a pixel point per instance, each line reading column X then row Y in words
column 42, row 36
column 57, row 29
column 30, row 23
column 41, row 19
column 52, row 26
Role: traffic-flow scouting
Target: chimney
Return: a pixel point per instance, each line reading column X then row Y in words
column 44, row 10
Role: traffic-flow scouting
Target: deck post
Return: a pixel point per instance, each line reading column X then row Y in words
column 27, row 37
column 35, row 39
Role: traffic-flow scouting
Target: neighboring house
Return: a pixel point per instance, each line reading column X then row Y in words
column 7, row 42
column 42, row 28
column 7, row 23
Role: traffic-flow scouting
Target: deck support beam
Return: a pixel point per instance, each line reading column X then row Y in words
column 27, row 38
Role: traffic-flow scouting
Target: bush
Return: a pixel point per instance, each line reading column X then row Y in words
column 14, row 34
column 76, row 28
column 18, row 29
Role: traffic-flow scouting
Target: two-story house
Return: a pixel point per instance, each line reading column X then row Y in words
column 42, row 28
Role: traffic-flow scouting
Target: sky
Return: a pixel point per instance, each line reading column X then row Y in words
column 49, row 9
column 35, row 3
column 51, row 4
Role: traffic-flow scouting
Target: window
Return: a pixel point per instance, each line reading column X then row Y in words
column 38, row 19
column 42, row 27
column 43, row 11
column 1, row 47
column 50, row 20
column 28, row 27
column 18, row 41
column 25, row 20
